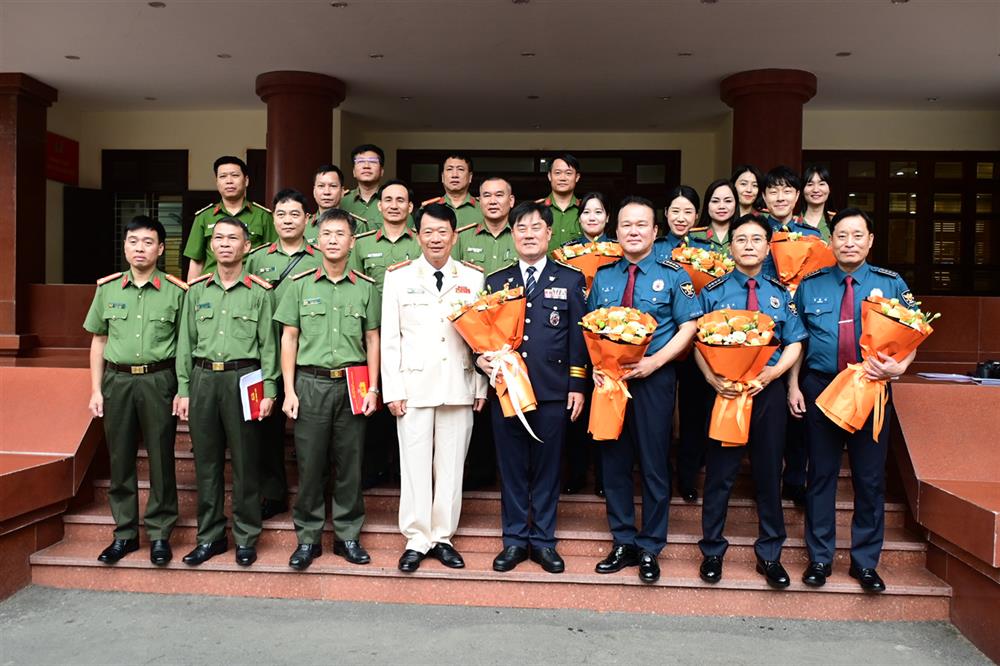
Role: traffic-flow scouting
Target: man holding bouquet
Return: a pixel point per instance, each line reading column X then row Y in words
column 747, row 289
column 829, row 301
column 662, row 289
column 553, row 350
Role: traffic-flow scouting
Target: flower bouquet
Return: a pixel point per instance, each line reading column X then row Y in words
column 796, row 255
column 736, row 344
column 702, row 266
column 588, row 257
column 615, row 336
column 887, row 327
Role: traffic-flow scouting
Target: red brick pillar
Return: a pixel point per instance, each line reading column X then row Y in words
column 299, row 126
column 767, row 115
column 24, row 102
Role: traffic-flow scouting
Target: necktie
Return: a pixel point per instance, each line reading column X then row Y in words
column 529, row 283
column 846, row 352
column 752, row 303
column 629, row 286
column 439, row 278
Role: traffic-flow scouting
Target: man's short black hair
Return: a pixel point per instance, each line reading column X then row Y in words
column 494, row 177
column 236, row 222
column 852, row 212
column 369, row 148
column 568, row 158
column 395, row 181
column 457, row 156
column 330, row 168
column 781, row 175
column 526, row 208
column 750, row 218
column 288, row 194
column 146, row 222
column 635, row 199
column 229, row 159
column 337, row 214
column 438, row 211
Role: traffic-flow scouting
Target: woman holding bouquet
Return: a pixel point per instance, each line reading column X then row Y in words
column 815, row 194
column 829, row 302
column 747, row 289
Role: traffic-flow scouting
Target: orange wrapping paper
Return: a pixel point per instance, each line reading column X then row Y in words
column 796, row 259
column 593, row 260
column 699, row 278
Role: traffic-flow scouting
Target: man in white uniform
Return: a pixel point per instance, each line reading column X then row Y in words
column 430, row 385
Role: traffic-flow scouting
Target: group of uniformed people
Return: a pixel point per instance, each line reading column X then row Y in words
column 367, row 282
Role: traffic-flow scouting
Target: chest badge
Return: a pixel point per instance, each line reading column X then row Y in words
column 775, row 303
column 658, row 285
column 554, row 318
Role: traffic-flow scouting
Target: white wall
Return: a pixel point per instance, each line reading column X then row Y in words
column 900, row 130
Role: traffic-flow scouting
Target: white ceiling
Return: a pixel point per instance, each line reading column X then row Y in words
column 599, row 65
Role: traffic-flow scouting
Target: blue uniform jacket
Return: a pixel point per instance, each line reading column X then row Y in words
column 664, row 246
column 729, row 292
column 818, row 301
column 582, row 240
column 662, row 289
column 552, row 346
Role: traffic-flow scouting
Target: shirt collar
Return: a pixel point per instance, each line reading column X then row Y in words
column 551, row 201
column 154, row 280
column 644, row 265
column 321, row 273
column 220, row 208
column 406, row 232
column 859, row 276
column 244, row 280
column 482, row 228
column 742, row 278
column 276, row 247
column 539, row 267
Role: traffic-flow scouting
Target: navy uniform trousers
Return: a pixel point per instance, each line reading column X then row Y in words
column 529, row 473
column 825, row 445
column 649, row 419
column 694, row 402
column 722, row 464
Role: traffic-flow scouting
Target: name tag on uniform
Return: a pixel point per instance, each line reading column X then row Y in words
column 266, row 269
column 204, row 306
column 556, row 292
column 373, row 255
column 311, row 301
column 475, row 250
column 413, row 290
column 116, row 306
column 462, row 290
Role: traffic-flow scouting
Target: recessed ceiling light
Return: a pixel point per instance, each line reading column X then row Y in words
column 72, row 57
column 338, row 5
column 527, row 54
column 533, row 97
column 406, row 98
column 520, row 2
column 536, row 126
column 666, row 98
column 709, row 2
column 684, row 54
column 150, row 99
column 157, row 5
column 224, row 56
column 376, row 56
column 932, row 99
column 843, row 54
column 899, row 2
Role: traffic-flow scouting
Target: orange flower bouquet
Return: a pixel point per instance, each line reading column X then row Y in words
column 615, row 336
column 493, row 325
column 701, row 265
column 797, row 255
column 736, row 344
column 887, row 327
column 588, row 257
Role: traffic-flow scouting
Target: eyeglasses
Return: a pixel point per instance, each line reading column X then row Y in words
column 367, row 160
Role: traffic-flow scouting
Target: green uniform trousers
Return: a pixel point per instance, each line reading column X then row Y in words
column 134, row 405
column 327, row 433
column 273, row 480
column 216, row 418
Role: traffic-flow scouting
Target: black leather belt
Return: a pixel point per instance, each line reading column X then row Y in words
column 317, row 371
column 222, row 366
column 141, row 369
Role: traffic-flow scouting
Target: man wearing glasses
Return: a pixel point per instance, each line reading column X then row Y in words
column 369, row 167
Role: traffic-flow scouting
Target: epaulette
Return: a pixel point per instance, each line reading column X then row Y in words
column 885, row 271
column 503, row 268
column 565, row 265
column 363, row 276
column 199, row 212
column 775, row 281
column 466, row 227
column 432, row 200
column 260, row 281
column 472, row 265
column 261, row 207
column 818, row 271
column 304, row 273
column 358, row 218
column 541, row 201
column 400, row 265
column 693, row 229
column 177, row 281
column 200, row 278
column 613, row 263
column 259, row 247
column 716, row 282
column 367, row 233
column 670, row 263
column 109, row 278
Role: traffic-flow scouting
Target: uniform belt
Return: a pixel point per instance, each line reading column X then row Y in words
column 316, row 371
column 142, row 369
column 222, row 366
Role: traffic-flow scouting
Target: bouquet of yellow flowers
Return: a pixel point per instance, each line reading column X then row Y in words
column 615, row 336
column 588, row 257
column 702, row 265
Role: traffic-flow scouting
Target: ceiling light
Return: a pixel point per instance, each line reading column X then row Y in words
column 899, row 2
column 157, row 5
column 520, row 2
column 376, row 56
column 684, row 54
column 338, row 5
column 406, row 98
column 666, row 98
column 932, row 99
column 843, row 54
column 224, row 56
column 72, row 57
column 709, row 2
column 533, row 97
column 527, row 54
column 150, row 99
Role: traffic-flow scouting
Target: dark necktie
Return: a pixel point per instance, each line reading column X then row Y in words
column 529, row 283
column 846, row 352
column 439, row 279
column 752, row 303
column 629, row 286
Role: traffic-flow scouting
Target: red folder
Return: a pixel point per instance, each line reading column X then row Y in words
column 357, row 388
column 251, row 393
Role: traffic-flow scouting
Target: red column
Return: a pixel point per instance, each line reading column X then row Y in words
column 299, row 126
column 767, row 115
column 23, row 105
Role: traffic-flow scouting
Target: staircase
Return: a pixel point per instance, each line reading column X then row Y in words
column 913, row 592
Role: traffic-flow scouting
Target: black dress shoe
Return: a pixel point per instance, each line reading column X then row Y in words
column 711, row 569
column 246, row 555
column 271, row 508
column 689, row 495
column 160, row 552
column 509, row 558
column 795, row 493
column 816, row 574
column 352, row 551
column 649, row 568
column 118, row 549
column 620, row 557
column 447, row 555
column 548, row 559
column 774, row 573
column 410, row 560
column 203, row 552
column 869, row 579
column 304, row 555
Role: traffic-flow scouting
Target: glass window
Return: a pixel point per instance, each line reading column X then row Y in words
column 903, row 169
column 948, row 203
column 984, row 203
column 983, row 243
column 651, row 174
column 862, row 200
column 902, row 241
column 986, row 281
column 860, row 169
column 984, row 170
column 424, row 173
column 947, row 169
column 947, row 242
column 903, row 202
column 944, row 280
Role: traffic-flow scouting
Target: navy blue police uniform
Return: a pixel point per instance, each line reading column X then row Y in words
column 662, row 289
column 767, row 424
column 818, row 300
column 556, row 356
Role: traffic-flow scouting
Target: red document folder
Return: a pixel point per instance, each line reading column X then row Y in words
column 251, row 393
column 357, row 387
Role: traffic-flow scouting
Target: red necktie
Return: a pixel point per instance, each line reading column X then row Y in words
column 629, row 286
column 846, row 351
column 752, row 303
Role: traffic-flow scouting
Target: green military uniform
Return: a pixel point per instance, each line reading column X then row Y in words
column 373, row 253
column 706, row 237
column 366, row 213
column 312, row 225
column 565, row 223
column 467, row 212
column 478, row 246
column 257, row 218
column 139, row 385
column 269, row 262
column 225, row 334
column 824, row 224
column 332, row 317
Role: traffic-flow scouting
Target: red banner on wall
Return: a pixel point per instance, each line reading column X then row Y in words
column 62, row 159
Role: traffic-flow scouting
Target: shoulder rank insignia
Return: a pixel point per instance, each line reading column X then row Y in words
column 400, row 265
column 432, row 200
column 260, row 281
column 358, row 218
column 465, row 228
column 265, row 208
column 885, row 271
column 177, row 281
column 475, row 266
column 819, row 271
column 716, row 282
column 775, row 281
column 613, row 263
column 200, row 278
column 304, row 273
column 501, row 269
column 565, row 265
column 669, row 263
column 259, row 247
column 108, row 278
column 366, row 234
column 202, row 210
column 363, row 276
